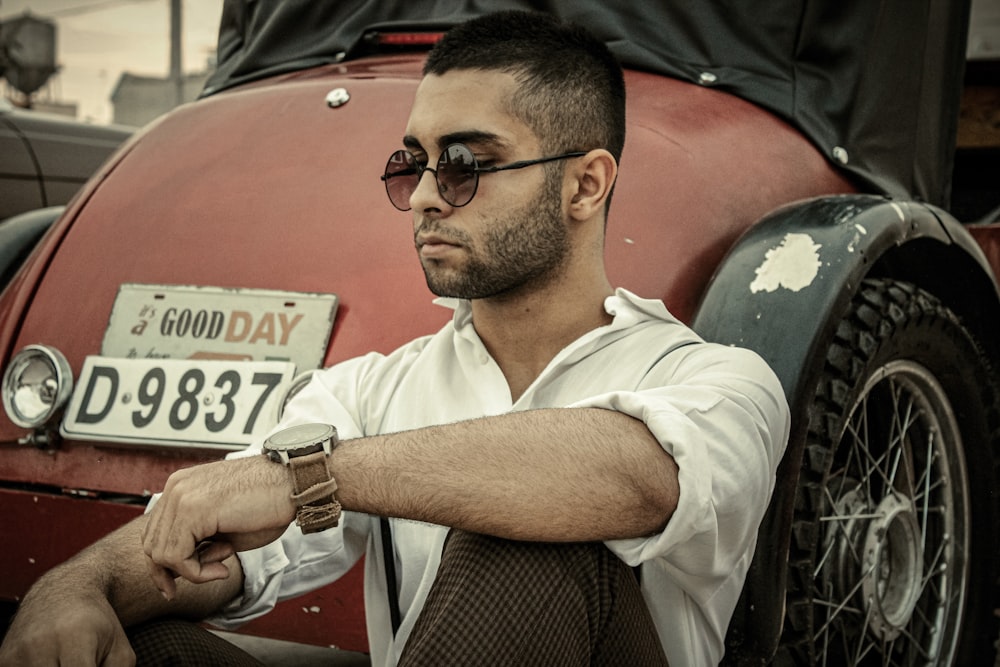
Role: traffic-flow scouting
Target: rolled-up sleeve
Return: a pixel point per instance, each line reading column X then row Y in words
column 721, row 414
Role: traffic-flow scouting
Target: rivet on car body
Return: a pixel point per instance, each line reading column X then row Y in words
column 337, row 97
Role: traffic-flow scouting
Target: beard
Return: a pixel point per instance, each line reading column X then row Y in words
column 526, row 247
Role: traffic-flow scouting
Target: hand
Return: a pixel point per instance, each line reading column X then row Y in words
column 209, row 512
column 60, row 624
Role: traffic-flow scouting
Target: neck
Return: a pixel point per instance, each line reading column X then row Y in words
column 525, row 332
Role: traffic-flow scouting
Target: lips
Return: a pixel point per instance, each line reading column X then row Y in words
column 428, row 239
column 432, row 245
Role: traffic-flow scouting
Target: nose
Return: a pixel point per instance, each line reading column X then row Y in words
column 426, row 196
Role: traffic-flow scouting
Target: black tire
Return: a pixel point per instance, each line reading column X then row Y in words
column 893, row 557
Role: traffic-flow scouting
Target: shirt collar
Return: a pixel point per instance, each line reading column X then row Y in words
column 626, row 308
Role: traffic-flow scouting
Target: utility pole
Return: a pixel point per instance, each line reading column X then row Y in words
column 176, row 67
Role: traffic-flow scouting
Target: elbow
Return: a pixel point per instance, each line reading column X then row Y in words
column 658, row 507
column 658, row 496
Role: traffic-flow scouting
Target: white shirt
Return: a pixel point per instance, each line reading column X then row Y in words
column 719, row 411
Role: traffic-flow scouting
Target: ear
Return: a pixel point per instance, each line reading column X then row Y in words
column 591, row 179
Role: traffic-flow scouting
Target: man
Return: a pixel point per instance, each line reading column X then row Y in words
column 554, row 434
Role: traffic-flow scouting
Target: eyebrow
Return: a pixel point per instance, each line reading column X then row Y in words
column 474, row 137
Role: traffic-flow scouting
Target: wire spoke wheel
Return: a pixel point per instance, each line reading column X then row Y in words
column 893, row 558
column 891, row 576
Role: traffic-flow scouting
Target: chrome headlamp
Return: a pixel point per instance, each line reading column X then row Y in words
column 36, row 385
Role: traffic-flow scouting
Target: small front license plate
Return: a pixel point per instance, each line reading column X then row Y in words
column 197, row 403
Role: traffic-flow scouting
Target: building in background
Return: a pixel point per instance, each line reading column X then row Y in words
column 31, row 75
column 138, row 99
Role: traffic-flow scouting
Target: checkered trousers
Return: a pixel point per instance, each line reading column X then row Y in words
column 177, row 643
column 500, row 602
column 494, row 602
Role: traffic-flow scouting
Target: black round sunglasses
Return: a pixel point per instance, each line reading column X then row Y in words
column 457, row 174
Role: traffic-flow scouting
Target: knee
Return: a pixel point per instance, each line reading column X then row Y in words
column 169, row 642
column 495, row 556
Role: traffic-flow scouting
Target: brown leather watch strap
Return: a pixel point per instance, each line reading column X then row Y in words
column 314, row 485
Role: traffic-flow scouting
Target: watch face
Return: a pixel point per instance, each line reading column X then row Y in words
column 300, row 436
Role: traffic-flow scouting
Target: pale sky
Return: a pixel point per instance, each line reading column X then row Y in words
column 97, row 40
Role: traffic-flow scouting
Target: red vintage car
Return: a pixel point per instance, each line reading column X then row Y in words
column 784, row 187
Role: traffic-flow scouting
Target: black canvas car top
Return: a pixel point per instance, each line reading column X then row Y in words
column 875, row 84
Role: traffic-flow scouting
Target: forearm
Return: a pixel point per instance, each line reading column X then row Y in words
column 545, row 475
column 75, row 614
column 552, row 475
column 115, row 567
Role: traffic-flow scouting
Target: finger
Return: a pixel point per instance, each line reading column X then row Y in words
column 210, row 555
column 198, row 572
column 162, row 578
column 211, row 572
column 164, row 571
column 215, row 551
column 195, row 568
column 170, row 544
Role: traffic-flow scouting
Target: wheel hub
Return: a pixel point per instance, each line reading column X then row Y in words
column 880, row 558
column 893, row 555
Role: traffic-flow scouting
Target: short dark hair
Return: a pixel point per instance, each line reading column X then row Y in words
column 572, row 92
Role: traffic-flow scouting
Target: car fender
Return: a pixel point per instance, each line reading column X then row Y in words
column 781, row 291
column 19, row 234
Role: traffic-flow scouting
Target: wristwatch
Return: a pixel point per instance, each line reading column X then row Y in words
column 305, row 449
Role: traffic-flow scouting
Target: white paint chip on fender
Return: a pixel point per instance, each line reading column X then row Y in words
column 793, row 265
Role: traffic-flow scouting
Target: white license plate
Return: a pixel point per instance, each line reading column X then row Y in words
column 195, row 403
column 183, row 322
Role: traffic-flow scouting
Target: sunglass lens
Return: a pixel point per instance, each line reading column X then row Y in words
column 401, row 178
column 456, row 175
